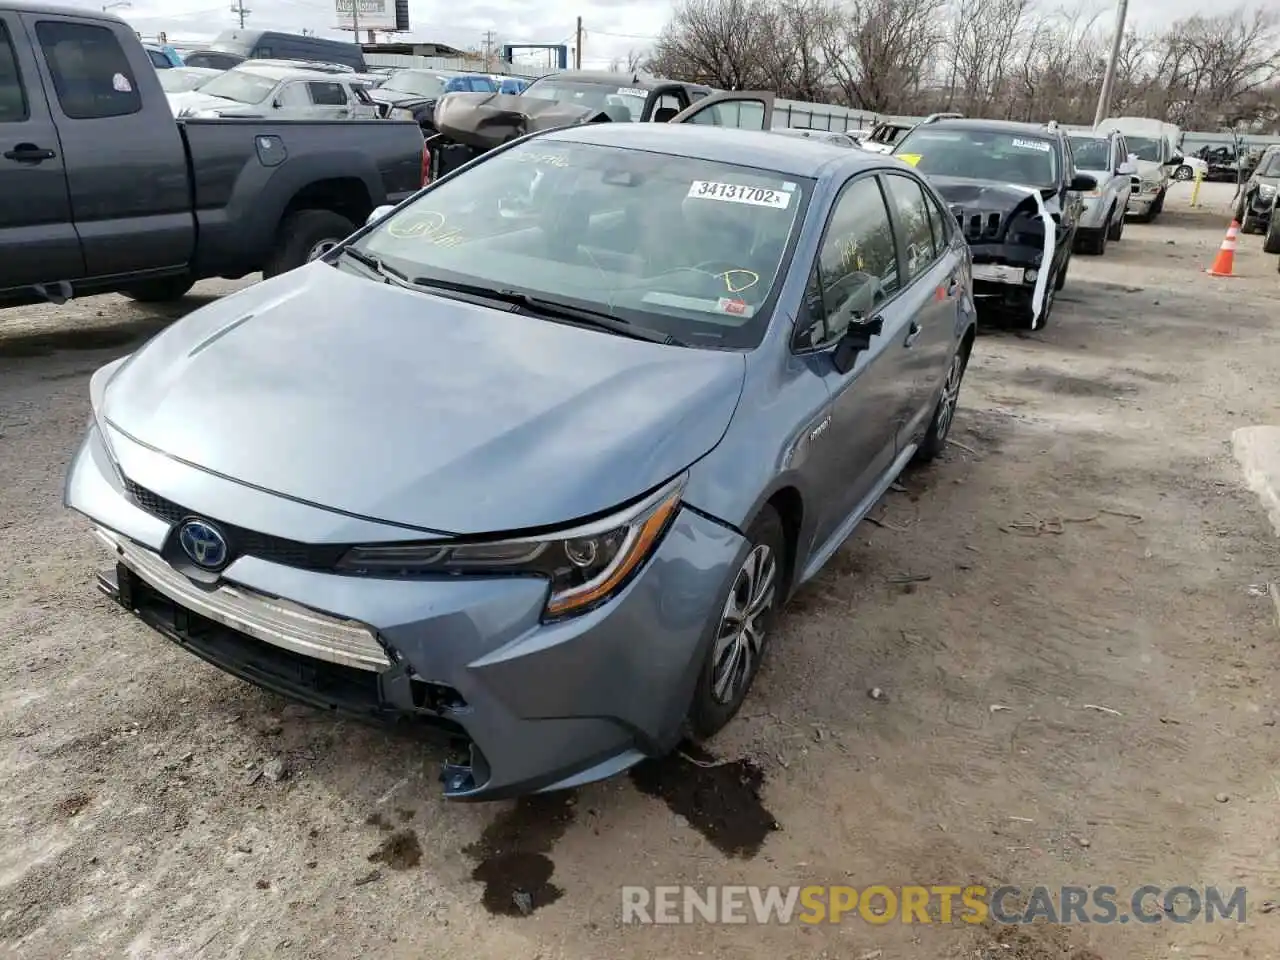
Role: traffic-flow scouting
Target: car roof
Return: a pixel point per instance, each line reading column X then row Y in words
column 278, row 70
column 993, row 126
column 765, row 150
column 61, row 10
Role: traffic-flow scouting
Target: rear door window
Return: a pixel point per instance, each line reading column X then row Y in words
column 327, row 94
column 91, row 74
column 13, row 98
column 914, row 229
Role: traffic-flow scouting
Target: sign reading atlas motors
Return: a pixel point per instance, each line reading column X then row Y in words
column 366, row 14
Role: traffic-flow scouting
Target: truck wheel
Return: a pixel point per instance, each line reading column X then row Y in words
column 302, row 235
column 1158, row 207
column 163, row 290
column 1271, row 242
column 1249, row 224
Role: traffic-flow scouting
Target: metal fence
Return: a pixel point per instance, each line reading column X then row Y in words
column 786, row 113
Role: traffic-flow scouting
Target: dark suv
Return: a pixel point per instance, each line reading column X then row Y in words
column 1015, row 190
column 1257, row 200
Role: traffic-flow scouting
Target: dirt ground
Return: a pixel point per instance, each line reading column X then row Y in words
column 1085, row 556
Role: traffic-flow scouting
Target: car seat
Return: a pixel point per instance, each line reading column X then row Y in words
column 664, row 114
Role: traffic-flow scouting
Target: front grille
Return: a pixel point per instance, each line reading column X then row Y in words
column 264, row 546
column 983, row 225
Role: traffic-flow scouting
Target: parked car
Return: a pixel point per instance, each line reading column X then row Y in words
column 1190, row 167
column 213, row 59
column 469, row 124
column 886, row 135
column 1016, row 192
column 1258, row 196
column 717, row 349
column 1105, row 157
column 822, row 136
column 279, row 90
column 186, row 79
column 1154, row 145
column 117, row 196
column 638, row 98
column 412, row 94
column 162, row 57
column 274, row 45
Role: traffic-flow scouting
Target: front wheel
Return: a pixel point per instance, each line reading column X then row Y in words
column 748, row 616
column 162, row 290
column 944, row 413
column 1182, row 173
column 1115, row 229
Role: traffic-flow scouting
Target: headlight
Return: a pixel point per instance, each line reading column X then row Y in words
column 1150, row 186
column 585, row 565
column 97, row 396
column 400, row 113
column 1266, row 191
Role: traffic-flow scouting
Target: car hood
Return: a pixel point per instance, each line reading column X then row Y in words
column 396, row 96
column 1150, row 170
column 420, row 410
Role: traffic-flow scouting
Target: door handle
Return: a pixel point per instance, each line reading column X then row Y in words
column 913, row 332
column 29, row 153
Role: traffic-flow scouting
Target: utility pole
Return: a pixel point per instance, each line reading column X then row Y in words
column 1109, row 78
column 488, row 49
column 577, row 47
column 241, row 11
column 355, row 20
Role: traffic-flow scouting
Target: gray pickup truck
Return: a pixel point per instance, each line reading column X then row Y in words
column 101, row 190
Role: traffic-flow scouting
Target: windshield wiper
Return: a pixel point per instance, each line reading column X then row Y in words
column 555, row 309
column 389, row 274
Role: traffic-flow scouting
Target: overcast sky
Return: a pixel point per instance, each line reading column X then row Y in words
column 612, row 27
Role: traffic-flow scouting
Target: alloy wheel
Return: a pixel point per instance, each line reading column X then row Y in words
column 740, row 639
column 950, row 395
column 321, row 248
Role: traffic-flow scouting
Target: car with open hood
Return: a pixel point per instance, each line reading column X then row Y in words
column 536, row 457
column 1105, row 157
column 1016, row 193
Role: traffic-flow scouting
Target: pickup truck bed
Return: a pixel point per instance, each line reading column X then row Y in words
column 104, row 191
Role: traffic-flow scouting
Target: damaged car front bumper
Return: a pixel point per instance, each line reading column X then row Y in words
column 1005, row 275
column 532, row 705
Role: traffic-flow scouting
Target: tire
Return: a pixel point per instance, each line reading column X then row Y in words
column 1157, row 208
column 1271, row 239
column 1060, row 278
column 162, row 290
column 1249, row 223
column 1094, row 242
column 1115, row 229
column 1183, row 173
column 713, row 705
column 301, row 233
column 944, row 414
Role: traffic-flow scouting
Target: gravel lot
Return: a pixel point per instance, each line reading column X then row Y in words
column 1086, row 543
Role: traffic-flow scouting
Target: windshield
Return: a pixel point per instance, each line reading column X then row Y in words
column 594, row 96
column 1004, row 157
column 1270, row 166
column 240, row 86
column 1144, row 148
column 419, row 84
column 179, row 80
column 691, row 248
column 1090, row 153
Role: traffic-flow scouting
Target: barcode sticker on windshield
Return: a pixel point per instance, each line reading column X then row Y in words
column 736, row 193
column 1031, row 145
column 633, row 92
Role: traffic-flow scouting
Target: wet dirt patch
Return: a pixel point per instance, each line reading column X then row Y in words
column 719, row 798
column 399, row 851
column 376, row 819
column 72, row 806
column 511, row 855
column 1051, row 381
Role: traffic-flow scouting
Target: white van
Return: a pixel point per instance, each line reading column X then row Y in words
column 1153, row 144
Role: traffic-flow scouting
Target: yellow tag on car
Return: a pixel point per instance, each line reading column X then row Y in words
column 911, row 158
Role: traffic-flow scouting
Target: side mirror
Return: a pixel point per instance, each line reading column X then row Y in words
column 277, row 103
column 379, row 213
column 1082, row 183
column 857, row 337
column 1128, row 169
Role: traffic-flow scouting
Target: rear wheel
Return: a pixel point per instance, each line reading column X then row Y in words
column 162, row 290
column 1271, row 240
column 748, row 616
column 945, row 412
column 305, row 235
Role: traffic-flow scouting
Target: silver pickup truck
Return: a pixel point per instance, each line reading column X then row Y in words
column 1105, row 157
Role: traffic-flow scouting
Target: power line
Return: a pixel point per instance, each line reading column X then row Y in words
column 621, row 36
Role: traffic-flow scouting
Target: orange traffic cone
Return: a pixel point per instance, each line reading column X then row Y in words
column 1226, row 257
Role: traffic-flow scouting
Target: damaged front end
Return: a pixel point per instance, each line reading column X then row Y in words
column 1013, row 234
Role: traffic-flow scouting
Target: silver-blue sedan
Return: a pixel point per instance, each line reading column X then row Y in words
column 538, row 456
